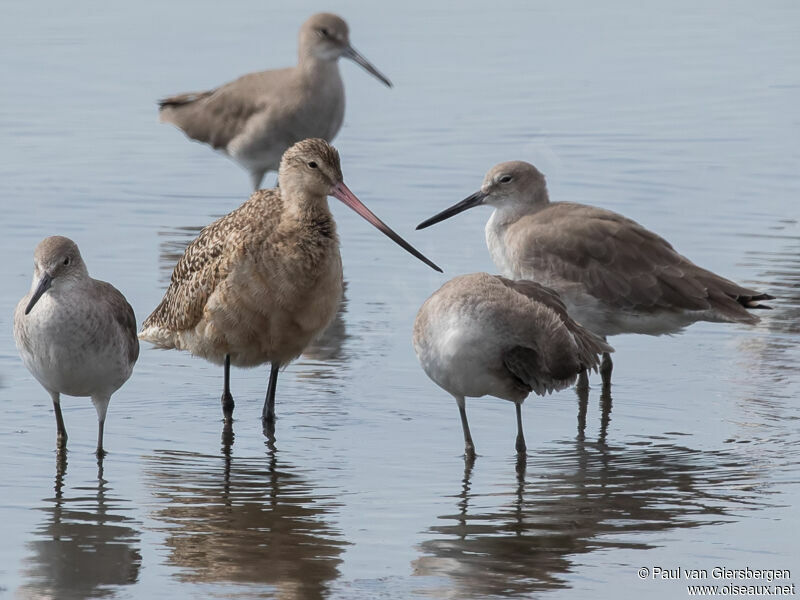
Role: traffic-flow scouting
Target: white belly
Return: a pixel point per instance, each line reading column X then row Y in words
column 455, row 353
column 67, row 354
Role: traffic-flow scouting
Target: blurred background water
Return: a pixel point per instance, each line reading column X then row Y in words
column 682, row 116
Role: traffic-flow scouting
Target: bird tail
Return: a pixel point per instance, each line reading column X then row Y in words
column 182, row 99
column 754, row 301
column 159, row 337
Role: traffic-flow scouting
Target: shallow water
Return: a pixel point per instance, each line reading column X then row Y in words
column 682, row 117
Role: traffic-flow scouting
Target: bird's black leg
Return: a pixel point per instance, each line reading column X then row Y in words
column 606, row 366
column 583, row 406
column 605, row 412
column 268, row 413
column 469, row 447
column 62, row 431
column 255, row 178
column 227, row 398
column 101, row 404
column 583, row 380
column 100, row 426
column 521, row 448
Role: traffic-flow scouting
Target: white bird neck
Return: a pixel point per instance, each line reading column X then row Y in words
column 510, row 212
column 502, row 218
column 313, row 67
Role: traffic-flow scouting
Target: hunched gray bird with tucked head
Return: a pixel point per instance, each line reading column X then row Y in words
column 259, row 284
column 75, row 334
column 481, row 335
column 256, row 117
column 613, row 275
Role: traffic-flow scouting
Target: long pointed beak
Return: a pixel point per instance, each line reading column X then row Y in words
column 341, row 192
column 475, row 199
column 353, row 55
column 44, row 284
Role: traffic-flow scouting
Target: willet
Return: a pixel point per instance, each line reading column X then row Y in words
column 259, row 284
column 75, row 334
column 256, row 117
column 481, row 334
column 613, row 275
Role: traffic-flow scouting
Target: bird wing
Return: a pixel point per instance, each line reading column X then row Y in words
column 218, row 116
column 617, row 261
column 522, row 364
column 122, row 313
column 538, row 293
column 207, row 261
column 590, row 346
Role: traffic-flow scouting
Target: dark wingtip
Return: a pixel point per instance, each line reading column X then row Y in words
column 754, row 302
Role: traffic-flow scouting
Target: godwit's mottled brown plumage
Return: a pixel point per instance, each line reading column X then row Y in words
column 614, row 275
column 481, row 335
column 75, row 334
column 260, row 283
column 256, row 117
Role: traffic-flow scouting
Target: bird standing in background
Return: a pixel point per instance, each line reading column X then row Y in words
column 256, row 117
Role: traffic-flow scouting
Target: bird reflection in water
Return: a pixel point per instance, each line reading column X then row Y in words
column 781, row 270
column 605, row 411
column 592, row 496
column 768, row 379
column 245, row 521
column 86, row 546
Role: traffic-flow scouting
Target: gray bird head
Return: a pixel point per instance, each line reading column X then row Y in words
column 57, row 263
column 325, row 36
column 513, row 182
column 514, row 185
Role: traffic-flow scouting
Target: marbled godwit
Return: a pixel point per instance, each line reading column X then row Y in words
column 260, row 283
column 75, row 334
column 256, row 117
column 613, row 275
column 481, row 335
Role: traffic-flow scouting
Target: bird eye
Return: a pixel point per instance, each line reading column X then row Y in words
column 312, row 164
column 324, row 31
column 505, row 179
column 66, row 261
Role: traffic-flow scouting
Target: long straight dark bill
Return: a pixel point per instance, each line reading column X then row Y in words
column 358, row 58
column 44, row 284
column 341, row 192
column 475, row 199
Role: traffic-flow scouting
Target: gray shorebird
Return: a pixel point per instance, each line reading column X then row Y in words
column 482, row 334
column 256, row 117
column 259, row 284
column 613, row 275
column 76, row 335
